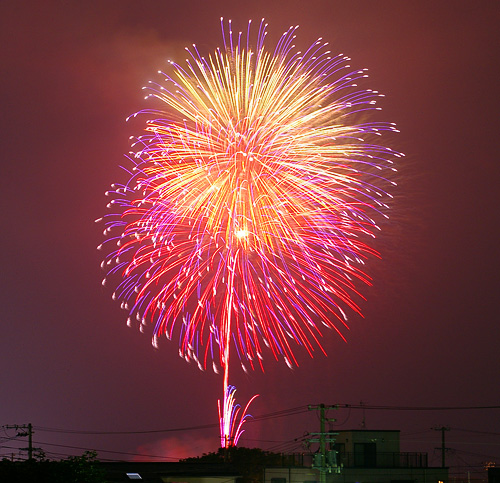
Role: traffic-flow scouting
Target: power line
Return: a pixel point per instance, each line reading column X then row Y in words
column 149, row 431
column 283, row 413
column 477, row 432
column 283, row 445
column 277, row 414
column 108, row 451
column 415, row 408
column 263, row 417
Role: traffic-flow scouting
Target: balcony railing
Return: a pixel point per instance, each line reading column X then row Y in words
column 382, row 460
column 358, row 460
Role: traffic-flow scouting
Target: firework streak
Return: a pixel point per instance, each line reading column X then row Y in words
column 251, row 199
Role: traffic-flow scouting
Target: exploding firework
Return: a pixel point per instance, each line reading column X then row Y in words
column 252, row 196
column 231, row 418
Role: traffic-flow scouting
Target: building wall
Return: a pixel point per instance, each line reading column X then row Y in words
column 386, row 441
column 198, row 479
column 390, row 475
column 290, row 475
column 358, row 475
column 493, row 475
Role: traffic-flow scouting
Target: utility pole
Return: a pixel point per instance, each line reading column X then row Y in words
column 30, row 441
column 443, row 445
column 324, row 461
column 24, row 430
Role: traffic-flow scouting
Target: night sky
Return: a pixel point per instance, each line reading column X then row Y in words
column 430, row 337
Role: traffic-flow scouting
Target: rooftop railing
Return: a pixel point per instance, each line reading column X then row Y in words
column 382, row 460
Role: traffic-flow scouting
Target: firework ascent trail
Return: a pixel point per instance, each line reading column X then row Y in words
column 251, row 199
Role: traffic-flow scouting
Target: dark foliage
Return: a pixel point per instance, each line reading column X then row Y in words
column 249, row 462
column 75, row 469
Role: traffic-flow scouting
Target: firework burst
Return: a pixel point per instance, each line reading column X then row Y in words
column 244, row 224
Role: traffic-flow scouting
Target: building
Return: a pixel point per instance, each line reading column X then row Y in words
column 148, row 472
column 362, row 456
column 493, row 474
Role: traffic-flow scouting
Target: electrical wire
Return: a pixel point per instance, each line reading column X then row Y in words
column 149, row 431
column 475, row 431
column 263, row 417
column 279, row 446
column 416, row 408
column 107, row 451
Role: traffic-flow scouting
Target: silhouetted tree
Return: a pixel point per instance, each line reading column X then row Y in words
column 75, row 469
column 249, row 462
